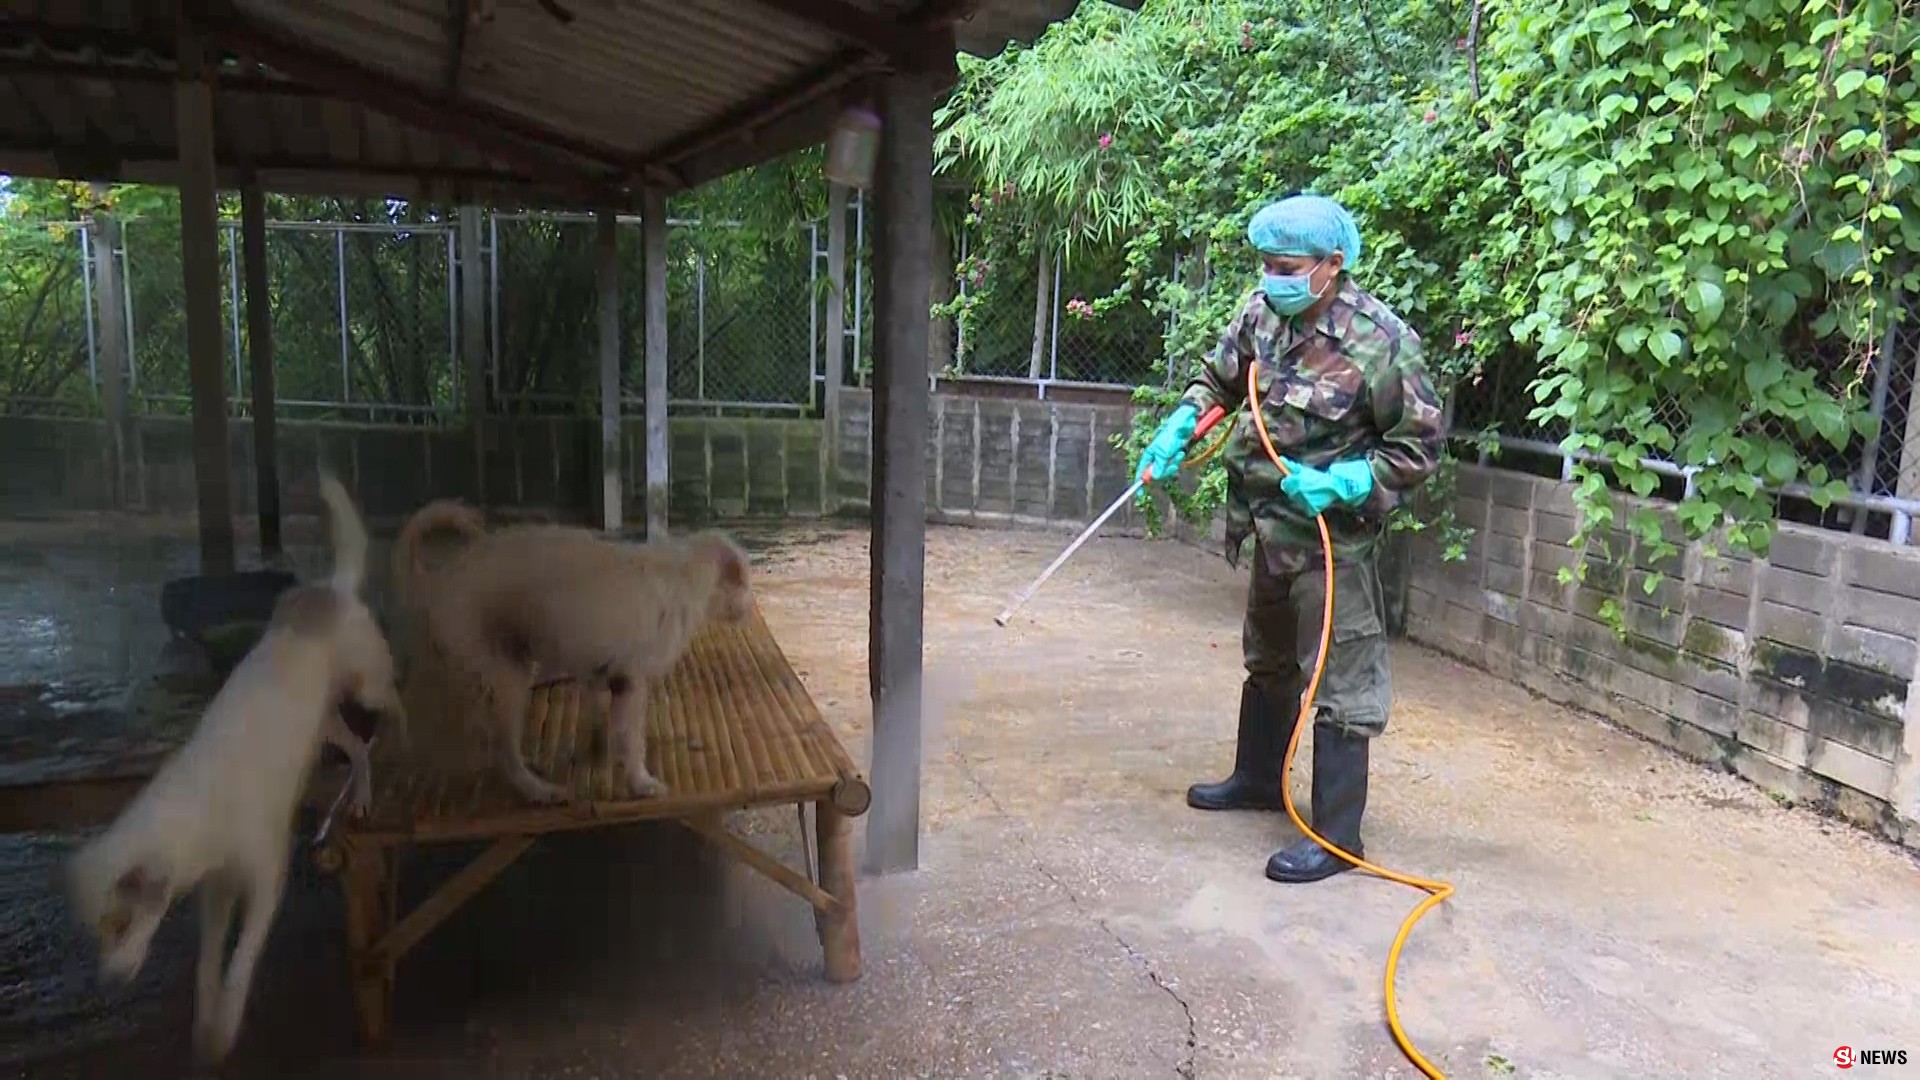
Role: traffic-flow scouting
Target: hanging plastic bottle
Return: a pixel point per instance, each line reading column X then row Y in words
column 853, row 147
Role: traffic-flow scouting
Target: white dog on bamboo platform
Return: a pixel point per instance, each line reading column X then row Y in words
column 219, row 813
column 561, row 600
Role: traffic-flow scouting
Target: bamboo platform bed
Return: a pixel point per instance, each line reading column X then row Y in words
column 732, row 727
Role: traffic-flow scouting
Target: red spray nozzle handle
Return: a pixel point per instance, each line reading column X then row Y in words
column 1207, row 420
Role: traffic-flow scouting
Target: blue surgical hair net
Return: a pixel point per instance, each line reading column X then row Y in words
column 1305, row 225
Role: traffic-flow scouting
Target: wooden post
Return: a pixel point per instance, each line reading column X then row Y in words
column 200, row 263
column 840, row 928
column 266, row 461
column 834, row 357
column 607, row 266
column 473, row 342
column 653, row 228
column 363, row 880
column 902, row 262
column 112, row 343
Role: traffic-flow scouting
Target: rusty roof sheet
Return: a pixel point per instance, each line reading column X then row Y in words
column 568, row 102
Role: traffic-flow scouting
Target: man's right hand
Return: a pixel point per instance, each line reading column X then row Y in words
column 1169, row 446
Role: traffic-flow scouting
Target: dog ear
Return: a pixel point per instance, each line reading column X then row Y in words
column 727, row 556
column 733, row 567
column 141, row 887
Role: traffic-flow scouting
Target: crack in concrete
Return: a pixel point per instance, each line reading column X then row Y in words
column 1187, row 1065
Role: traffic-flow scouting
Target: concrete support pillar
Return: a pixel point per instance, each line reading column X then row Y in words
column 902, row 264
column 653, row 226
column 206, row 342
column 266, row 460
column 607, row 276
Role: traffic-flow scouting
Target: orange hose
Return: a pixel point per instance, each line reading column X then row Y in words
column 1440, row 890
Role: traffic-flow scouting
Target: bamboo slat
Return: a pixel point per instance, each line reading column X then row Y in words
column 731, row 726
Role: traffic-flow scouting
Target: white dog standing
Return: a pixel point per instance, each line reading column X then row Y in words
column 219, row 813
column 565, row 601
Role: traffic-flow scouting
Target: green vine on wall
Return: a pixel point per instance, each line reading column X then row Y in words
column 1706, row 233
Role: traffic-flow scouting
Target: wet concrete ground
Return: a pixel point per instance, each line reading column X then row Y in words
column 1621, row 912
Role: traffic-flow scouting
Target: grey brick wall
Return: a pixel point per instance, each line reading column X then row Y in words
column 1000, row 462
column 1796, row 671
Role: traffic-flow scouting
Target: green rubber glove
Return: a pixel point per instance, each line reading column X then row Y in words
column 1169, row 446
column 1346, row 483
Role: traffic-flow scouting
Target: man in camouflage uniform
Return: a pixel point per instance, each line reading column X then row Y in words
column 1348, row 404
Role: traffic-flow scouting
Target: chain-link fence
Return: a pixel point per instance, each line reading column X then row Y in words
column 47, row 354
column 1041, row 318
column 366, row 316
column 1881, row 470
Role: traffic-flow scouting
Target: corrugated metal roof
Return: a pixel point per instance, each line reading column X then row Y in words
column 553, row 101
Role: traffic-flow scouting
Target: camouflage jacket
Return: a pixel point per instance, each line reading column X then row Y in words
column 1352, row 385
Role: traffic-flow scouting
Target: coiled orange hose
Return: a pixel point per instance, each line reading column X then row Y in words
column 1439, row 890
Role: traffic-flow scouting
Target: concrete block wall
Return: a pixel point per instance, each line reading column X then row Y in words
column 1796, row 671
column 994, row 461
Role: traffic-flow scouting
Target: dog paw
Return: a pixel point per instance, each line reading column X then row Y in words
column 645, row 785
column 543, row 793
column 212, row 1042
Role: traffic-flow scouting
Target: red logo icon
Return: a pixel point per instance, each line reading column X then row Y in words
column 1843, row 1057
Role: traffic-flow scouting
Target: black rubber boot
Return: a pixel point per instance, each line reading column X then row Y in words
column 1339, row 802
column 1255, row 783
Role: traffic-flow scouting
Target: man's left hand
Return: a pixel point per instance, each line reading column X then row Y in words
column 1347, row 483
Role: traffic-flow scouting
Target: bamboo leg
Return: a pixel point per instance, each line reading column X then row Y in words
column 840, row 927
column 362, row 876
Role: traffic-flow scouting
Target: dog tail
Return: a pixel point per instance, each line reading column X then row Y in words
column 349, row 537
column 409, row 564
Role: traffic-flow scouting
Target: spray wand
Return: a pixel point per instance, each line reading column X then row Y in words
column 1207, row 420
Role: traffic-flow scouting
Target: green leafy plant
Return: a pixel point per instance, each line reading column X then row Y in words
column 1708, row 221
column 1166, row 129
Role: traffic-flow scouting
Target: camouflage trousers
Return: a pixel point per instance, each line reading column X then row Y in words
column 1281, row 637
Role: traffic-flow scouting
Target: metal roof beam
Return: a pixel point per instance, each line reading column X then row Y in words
column 869, row 31
column 803, row 109
column 490, row 131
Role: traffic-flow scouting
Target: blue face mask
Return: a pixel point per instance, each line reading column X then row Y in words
column 1290, row 294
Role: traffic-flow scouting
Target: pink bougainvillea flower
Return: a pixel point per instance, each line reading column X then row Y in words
column 1432, row 116
column 1463, row 338
column 1106, row 141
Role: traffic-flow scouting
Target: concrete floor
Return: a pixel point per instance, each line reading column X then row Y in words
column 1622, row 913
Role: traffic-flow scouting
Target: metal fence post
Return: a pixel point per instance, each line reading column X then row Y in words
column 700, row 315
column 86, row 292
column 1053, row 336
column 1865, row 476
column 859, row 277
column 340, row 268
column 813, row 314
column 493, row 295
column 233, row 292
column 458, row 377
column 126, row 302
column 960, row 324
